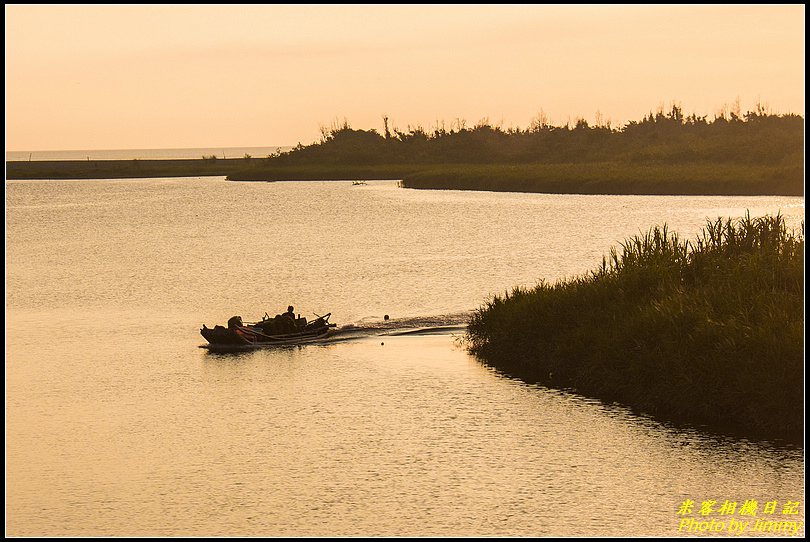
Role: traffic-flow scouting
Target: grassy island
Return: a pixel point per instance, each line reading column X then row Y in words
column 707, row 332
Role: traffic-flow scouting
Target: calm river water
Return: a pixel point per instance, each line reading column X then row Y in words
column 117, row 423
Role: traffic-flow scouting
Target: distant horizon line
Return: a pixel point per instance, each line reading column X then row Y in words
column 152, row 148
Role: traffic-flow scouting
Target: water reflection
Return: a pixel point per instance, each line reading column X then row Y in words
column 497, row 437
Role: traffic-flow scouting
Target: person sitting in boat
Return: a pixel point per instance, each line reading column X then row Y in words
column 285, row 323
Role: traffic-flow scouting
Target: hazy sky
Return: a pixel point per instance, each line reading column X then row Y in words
column 115, row 77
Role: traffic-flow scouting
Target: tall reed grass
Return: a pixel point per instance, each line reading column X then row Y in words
column 707, row 331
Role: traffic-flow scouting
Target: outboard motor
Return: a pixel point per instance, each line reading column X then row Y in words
column 235, row 321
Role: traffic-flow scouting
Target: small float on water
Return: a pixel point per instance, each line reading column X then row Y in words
column 283, row 329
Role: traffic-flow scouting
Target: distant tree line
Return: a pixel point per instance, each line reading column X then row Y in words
column 665, row 137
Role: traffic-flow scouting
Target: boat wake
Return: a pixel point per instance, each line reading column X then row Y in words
column 446, row 324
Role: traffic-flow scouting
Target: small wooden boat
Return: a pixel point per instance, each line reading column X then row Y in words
column 279, row 331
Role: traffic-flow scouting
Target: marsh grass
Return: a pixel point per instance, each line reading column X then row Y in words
column 706, row 331
column 615, row 178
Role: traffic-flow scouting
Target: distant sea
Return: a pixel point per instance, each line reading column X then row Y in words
column 145, row 154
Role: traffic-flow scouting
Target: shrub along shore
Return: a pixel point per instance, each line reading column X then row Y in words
column 707, row 332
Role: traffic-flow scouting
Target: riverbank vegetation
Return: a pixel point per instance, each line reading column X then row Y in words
column 664, row 153
column 707, row 332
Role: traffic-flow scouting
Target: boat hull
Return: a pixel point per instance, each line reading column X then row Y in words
column 244, row 346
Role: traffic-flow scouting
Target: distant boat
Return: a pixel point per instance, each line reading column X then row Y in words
column 358, row 183
column 278, row 331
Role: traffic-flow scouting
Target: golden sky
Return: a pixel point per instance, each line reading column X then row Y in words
column 139, row 76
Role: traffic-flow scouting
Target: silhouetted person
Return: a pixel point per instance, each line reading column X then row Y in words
column 287, row 320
